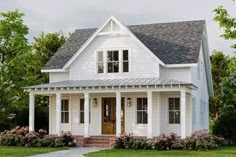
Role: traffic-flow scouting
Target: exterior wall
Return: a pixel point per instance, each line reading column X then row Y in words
column 181, row 74
column 200, row 94
column 58, row 76
column 95, row 127
column 141, row 64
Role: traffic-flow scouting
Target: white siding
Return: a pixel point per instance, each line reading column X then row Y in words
column 58, row 76
column 165, row 126
column 181, row 74
column 200, row 94
column 131, row 126
column 142, row 65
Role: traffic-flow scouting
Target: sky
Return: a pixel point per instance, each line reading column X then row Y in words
column 68, row 15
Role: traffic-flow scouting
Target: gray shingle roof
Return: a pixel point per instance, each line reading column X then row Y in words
column 110, row 83
column 172, row 43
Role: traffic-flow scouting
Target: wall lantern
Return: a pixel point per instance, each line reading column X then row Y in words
column 129, row 103
column 95, row 102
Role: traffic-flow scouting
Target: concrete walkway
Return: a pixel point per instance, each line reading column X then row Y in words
column 72, row 152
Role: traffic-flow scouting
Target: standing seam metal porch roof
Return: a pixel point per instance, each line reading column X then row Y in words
column 172, row 43
column 110, row 83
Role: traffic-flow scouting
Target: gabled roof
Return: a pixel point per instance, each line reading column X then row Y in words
column 172, row 43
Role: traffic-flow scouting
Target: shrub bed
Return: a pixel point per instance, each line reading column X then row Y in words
column 20, row 136
column 199, row 140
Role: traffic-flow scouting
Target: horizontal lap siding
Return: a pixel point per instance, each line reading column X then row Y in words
column 200, row 93
column 164, row 121
column 59, row 76
column 142, row 65
column 180, row 74
column 131, row 126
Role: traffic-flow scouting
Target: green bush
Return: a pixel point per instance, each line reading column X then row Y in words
column 225, row 126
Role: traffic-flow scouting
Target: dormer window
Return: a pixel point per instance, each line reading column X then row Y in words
column 113, row 61
column 125, row 61
column 100, row 62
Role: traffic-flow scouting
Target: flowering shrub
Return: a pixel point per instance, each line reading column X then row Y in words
column 20, row 136
column 164, row 142
column 129, row 142
column 199, row 140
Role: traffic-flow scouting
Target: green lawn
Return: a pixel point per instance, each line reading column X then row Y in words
column 24, row 151
column 221, row 152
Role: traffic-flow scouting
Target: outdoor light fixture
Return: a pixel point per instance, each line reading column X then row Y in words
column 129, row 102
column 95, row 102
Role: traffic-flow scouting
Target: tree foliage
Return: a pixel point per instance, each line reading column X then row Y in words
column 219, row 69
column 20, row 66
column 226, row 22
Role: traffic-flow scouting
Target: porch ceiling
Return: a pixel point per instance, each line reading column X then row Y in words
column 130, row 82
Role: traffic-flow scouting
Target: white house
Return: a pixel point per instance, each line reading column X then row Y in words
column 142, row 79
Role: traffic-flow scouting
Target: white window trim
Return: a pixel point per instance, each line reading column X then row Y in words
column 136, row 108
column 105, row 68
column 66, row 111
column 90, row 110
column 168, row 110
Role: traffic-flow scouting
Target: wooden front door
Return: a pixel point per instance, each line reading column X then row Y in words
column 108, row 115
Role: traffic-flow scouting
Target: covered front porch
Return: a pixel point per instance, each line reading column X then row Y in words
column 139, row 108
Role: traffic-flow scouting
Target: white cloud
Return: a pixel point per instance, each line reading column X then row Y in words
column 68, row 15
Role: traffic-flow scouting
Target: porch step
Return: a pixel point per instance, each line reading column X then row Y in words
column 97, row 145
column 98, row 141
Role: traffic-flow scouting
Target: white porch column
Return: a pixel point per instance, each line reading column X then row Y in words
column 183, row 113
column 31, row 111
column 118, row 114
column 58, row 113
column 149, row 95
column 158, row 113
column 86, row 114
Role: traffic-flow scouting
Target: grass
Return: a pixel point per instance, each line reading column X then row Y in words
column 24, row 151
column 221, row 152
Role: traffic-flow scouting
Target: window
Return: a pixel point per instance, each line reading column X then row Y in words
column 202, row 111
column 198, row 70
column 115, row 61
column 142, row 116
column 82, row 112
column 125, row 61
column 194, row 113
column 112, row 61
column 100, row 63
column 64, row 111
column 174, row 111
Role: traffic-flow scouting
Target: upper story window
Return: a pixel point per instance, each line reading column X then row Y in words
column 113, row 61
column 100, row 63
column 198, row 70
column 125, row 61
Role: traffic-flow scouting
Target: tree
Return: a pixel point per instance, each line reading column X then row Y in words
column 13, row 44
column 227, row 23
column 44, row 47
column 20, row 65
column 219, row 69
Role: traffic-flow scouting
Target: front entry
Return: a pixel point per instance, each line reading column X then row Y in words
column 108, row 116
